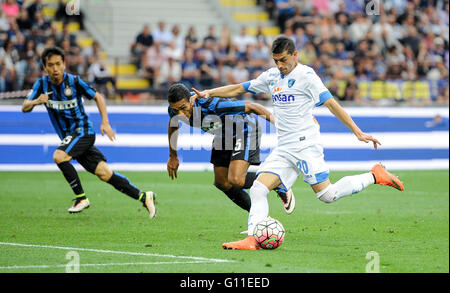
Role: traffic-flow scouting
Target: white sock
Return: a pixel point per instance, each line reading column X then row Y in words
column 347, row 185
column 259, row 209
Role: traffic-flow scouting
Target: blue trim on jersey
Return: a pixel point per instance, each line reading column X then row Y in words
column 284, row 189
column 247, row 129
column 72, row 143
column 323, row 96
column 246, row 86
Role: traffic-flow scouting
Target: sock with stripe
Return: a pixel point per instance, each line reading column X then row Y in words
column 122, row 184
column 71, row 176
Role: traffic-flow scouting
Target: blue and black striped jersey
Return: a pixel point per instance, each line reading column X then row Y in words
column 221, row 116
column 65, row 104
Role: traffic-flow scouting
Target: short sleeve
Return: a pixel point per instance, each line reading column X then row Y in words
column 36, row 91
column 86, row 90
column 257, row 85
column 317, row 89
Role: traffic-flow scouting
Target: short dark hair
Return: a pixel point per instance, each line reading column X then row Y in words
column 281, row 44
column 49, row 52
column 178, row 92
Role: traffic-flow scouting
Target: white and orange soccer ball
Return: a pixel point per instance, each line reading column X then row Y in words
column 269, row 233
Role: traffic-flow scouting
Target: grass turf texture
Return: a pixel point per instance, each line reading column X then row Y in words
column 409, row 230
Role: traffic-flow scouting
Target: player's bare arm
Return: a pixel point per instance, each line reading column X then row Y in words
column 172, row 163
column 259, row 110
column 28, row 105
column 343, row 116
column 228, row 91
column 105, row 127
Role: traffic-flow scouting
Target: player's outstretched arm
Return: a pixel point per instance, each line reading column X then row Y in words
column 104, row 127
column 259, row 110
column 172, row 163
column 343, row 116
column 228, row 91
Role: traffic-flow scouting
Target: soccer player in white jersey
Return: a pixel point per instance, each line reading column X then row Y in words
column 296, row 90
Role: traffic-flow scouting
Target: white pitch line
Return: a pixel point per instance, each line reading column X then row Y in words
column 118, row 252
column 102, row 264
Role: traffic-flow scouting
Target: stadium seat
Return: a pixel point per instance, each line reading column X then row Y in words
column 132, row 83
column 407, row 90
column 393, row 90
column 122, row 69
column 377, row 90
column 238, row 3
column 363, row 89
column 422, row 90
column 250, row 16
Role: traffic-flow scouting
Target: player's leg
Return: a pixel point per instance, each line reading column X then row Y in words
column 277, row 170
column 70, row 147
column 316, row 173
column 349, row 185
column 95, row 162
column 239, row 196
column 259, row 209
column 221, row 161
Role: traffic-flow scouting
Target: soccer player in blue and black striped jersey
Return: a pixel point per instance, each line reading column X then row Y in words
column 62, row 94
column 236, row 144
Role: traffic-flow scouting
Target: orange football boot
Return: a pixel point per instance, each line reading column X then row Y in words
column 248, row 243
column 383, row 177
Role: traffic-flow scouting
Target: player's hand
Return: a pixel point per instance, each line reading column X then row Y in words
column 43, row 98
column 172, row 167
column 368, row 138
column 198, row 95
column 106, row 128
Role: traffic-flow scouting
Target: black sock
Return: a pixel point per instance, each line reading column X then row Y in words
column 240, row 197
column 249, row 178
column 71, row 176
column 122, row 184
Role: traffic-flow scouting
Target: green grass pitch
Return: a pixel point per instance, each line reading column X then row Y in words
column 409, row 231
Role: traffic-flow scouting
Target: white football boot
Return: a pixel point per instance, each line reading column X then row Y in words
column 149, row 203
column 78, row 206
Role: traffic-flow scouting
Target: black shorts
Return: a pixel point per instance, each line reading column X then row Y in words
column 81, row 147
column 243, row 149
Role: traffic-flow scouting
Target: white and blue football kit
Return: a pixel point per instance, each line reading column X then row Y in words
column 299, row 148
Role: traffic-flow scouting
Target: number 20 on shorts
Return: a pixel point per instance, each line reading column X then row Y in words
column 302, row 166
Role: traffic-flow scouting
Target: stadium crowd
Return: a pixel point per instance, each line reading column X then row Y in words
column 397, row 49
column 400, row 42
column 25, row 32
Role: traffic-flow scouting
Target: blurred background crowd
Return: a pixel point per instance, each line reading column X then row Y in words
column 365, row 51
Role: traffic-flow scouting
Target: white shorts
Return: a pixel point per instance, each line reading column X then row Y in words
column 287, row 164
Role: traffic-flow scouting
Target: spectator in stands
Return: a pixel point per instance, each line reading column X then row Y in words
column 11, row 8
column 33, row 8
column 191, row 39
column 211, row 36
column 161, row 34
column 178, row 39
column 285, row 10
column 100, row 76
column 190, row 71
column 170, row 72
column 62, row 15
column 152, row 62
column 241, row 41
column 144, row 40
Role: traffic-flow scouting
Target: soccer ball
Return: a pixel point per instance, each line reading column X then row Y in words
column 269, row 233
